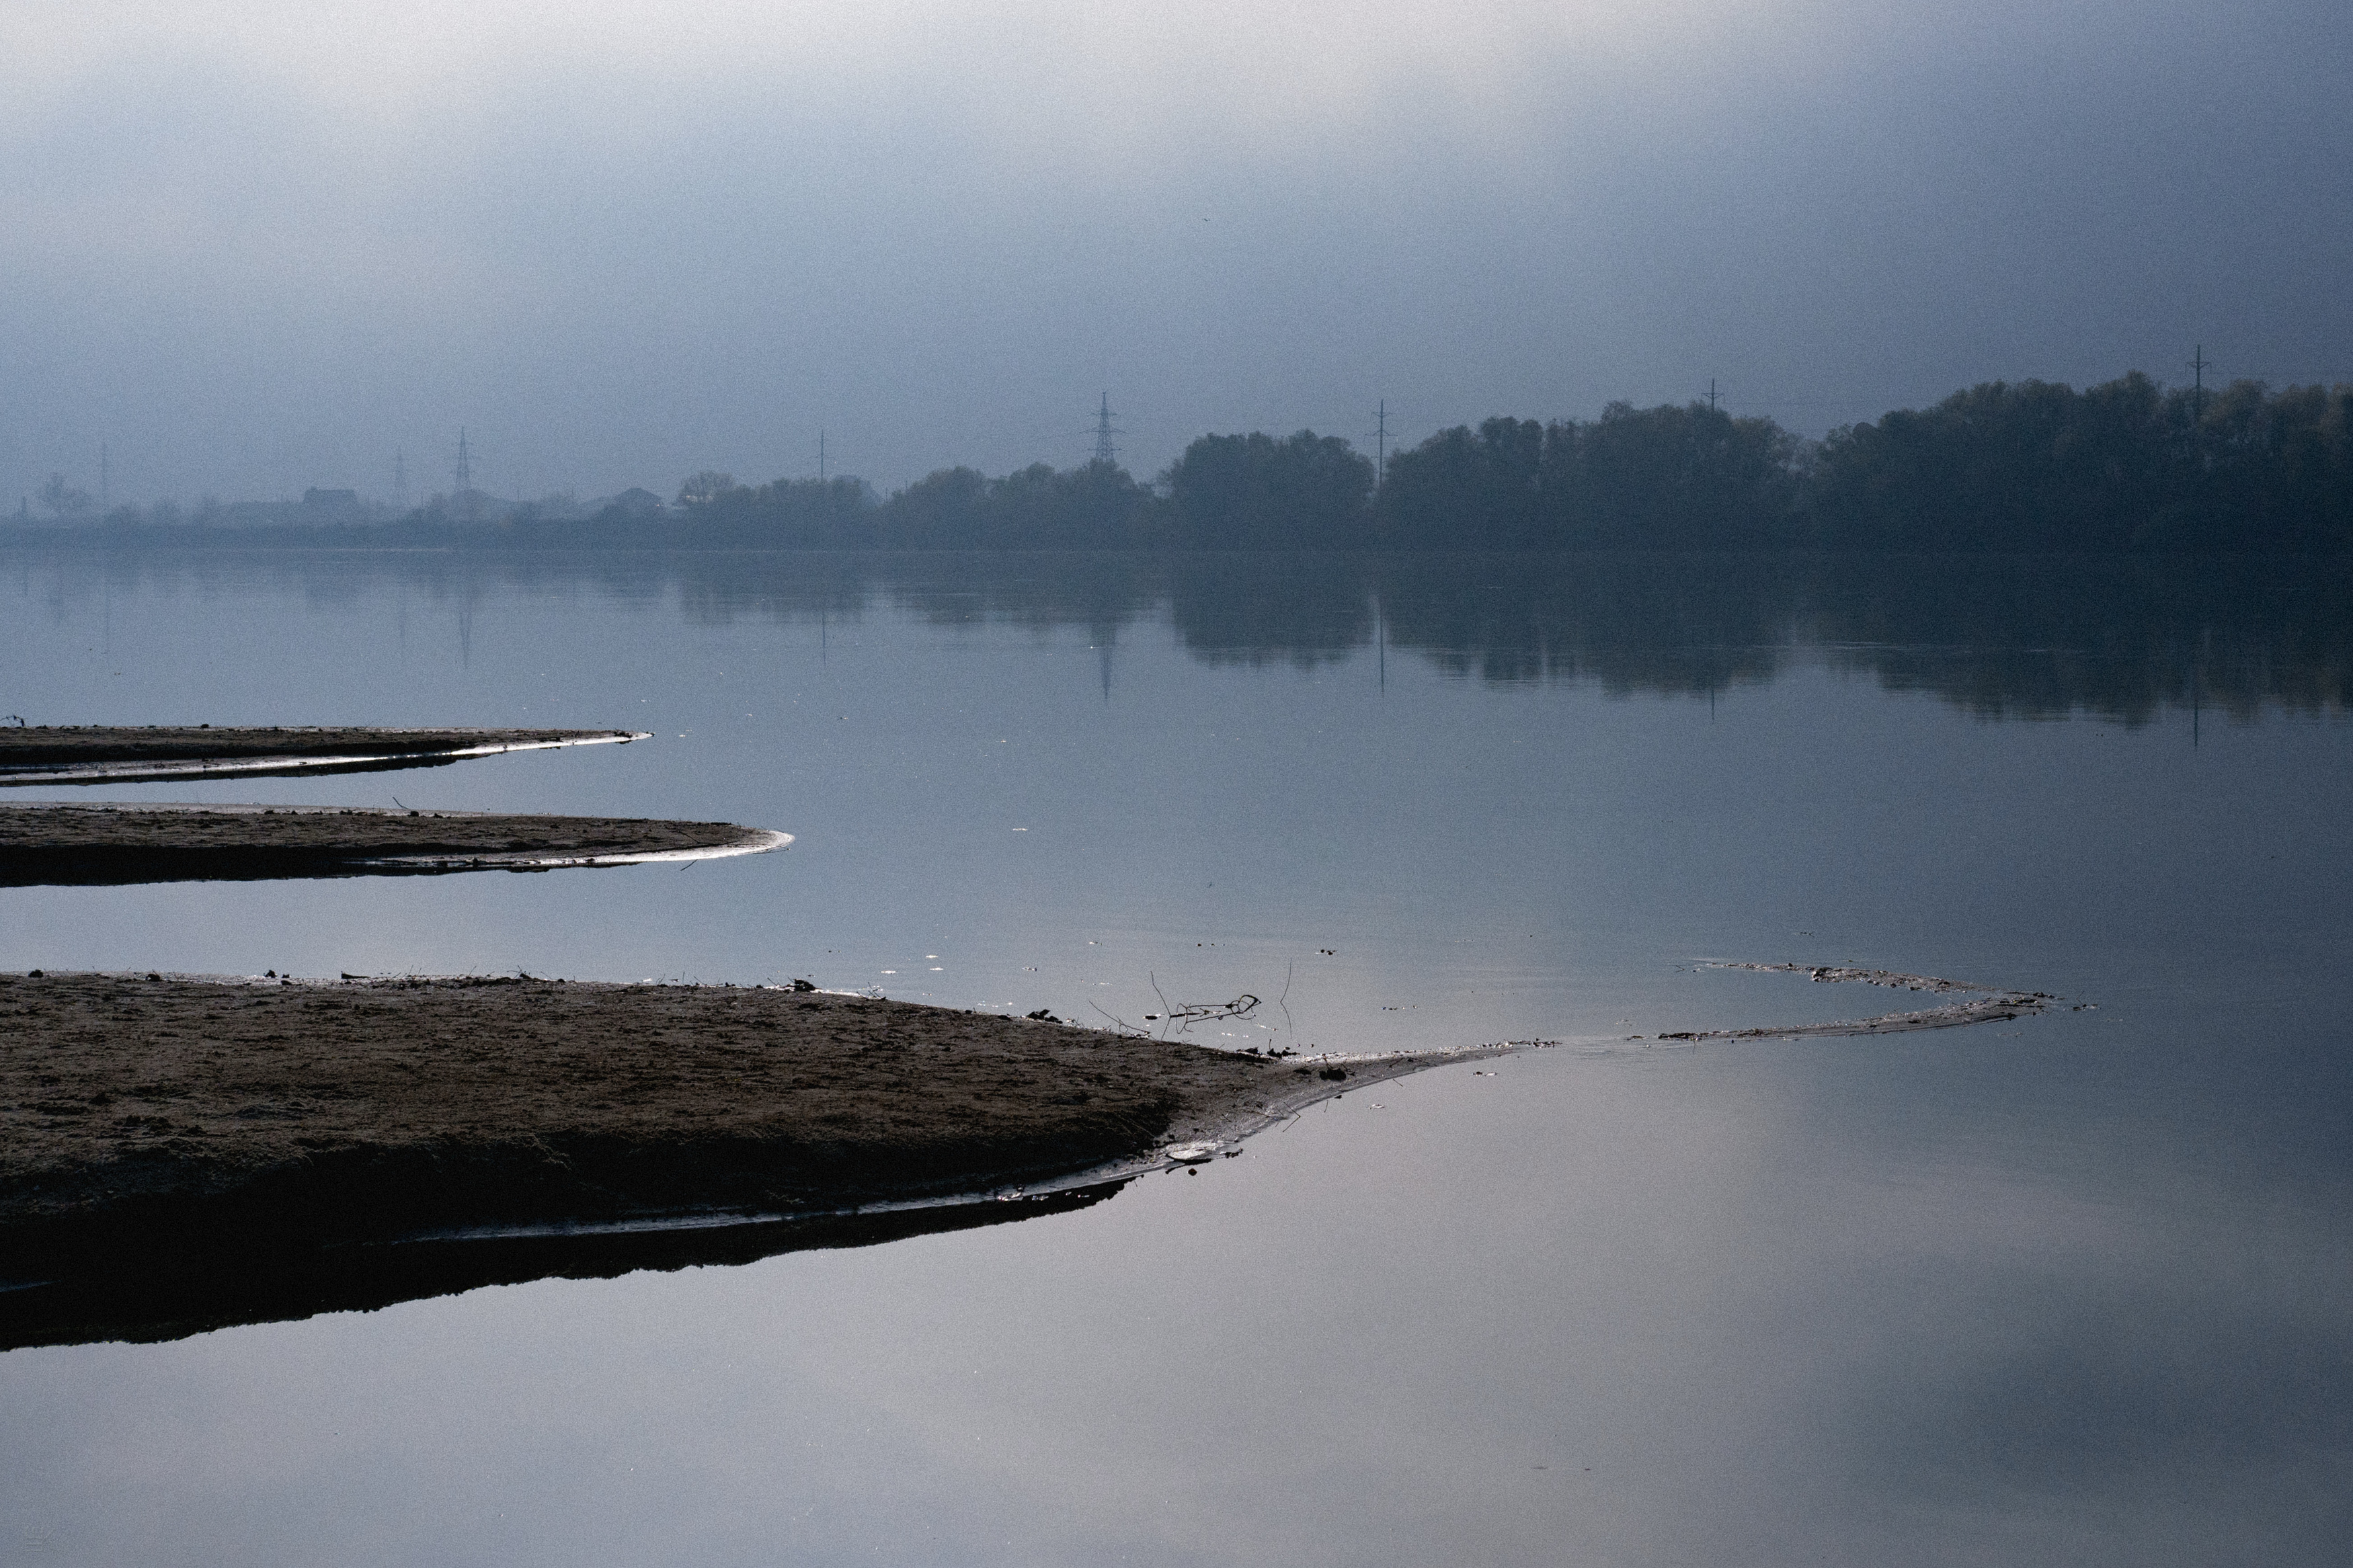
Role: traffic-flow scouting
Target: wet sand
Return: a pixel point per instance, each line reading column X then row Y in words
column 98, row 754
column 140, row 842
column 140, row 1112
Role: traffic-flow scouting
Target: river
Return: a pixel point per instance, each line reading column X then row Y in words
column 2074, row 1288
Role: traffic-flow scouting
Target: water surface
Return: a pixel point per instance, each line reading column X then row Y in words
column 2071, row 1289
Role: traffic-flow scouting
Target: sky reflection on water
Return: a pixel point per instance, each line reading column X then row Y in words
column 2070, row 1288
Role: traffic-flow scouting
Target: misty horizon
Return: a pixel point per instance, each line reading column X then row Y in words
column 622, row 245
column 414, row 485
column 2128, row 464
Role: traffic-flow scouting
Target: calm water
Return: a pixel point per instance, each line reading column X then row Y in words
column 2071, row 1289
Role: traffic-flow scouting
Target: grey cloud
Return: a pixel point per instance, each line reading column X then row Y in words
column 616, row 276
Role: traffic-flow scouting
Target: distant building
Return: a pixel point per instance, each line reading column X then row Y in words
column 330, row 500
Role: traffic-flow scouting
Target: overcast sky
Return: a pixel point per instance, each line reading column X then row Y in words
column 251, row 248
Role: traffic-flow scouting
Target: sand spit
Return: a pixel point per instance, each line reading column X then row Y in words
column 94, row 753
column 177, row 1152
column 139, row 842
column 180, row 1152
column 142, row 1115
column 1983, row 1005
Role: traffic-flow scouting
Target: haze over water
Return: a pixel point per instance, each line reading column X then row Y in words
column 2067, row 1289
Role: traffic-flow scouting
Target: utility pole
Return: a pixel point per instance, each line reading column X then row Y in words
column 2198, row 385
column 1381, row 446
column 821, row 454
column 1104, row 430
column 399, row 479
column 1711, row 395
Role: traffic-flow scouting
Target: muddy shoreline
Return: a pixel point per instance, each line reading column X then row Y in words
column 76, row 845
column 139, row 1114
column 179, row 1152
column 98, row 754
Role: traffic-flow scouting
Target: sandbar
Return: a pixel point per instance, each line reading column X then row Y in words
column 140, row 1112
column 107, row 753
column 135, row 842
column 179, row 1152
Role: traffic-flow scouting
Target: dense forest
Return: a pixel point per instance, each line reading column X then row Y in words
column 2127, row 466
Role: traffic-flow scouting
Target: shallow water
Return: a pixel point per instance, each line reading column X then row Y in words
column 2067, row 1289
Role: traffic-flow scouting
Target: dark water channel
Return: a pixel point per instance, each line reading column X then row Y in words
column 2072, row 1288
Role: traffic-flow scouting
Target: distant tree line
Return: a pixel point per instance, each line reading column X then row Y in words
column 1663, row 478
column 1225, row 493
column 2127, row 466
column 2124, row 466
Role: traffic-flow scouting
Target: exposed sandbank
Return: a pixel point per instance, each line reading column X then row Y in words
column 98, row 754
column 180, row 1152
column 141, row 1113
column 138, row 842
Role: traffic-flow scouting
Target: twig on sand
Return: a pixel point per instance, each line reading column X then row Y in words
column 1123, row 1022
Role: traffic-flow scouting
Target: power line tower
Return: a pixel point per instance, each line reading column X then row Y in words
column 821, row 454
column 464, row 469
column 2198, row 364
column 1105, row 452
column 1381, row 444
column 1711, row 395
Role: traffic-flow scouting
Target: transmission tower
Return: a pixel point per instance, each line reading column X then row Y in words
column 1105, row 452
column 2198, row 364
column 464, row 471
column 1381, row 444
